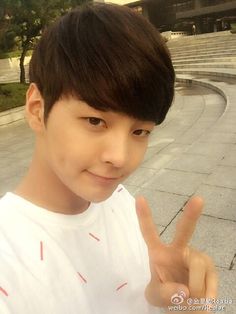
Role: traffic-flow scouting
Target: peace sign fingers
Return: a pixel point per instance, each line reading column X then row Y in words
column 146, row 223
column 187, row 223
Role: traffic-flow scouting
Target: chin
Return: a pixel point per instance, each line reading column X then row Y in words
column 100, row 196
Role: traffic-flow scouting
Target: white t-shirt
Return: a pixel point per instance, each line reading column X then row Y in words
column 95, row 262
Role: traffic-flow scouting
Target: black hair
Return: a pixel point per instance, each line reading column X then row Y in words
column 109, row 56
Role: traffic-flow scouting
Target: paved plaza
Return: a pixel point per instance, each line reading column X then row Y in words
column 192, row 153
column 10, row 70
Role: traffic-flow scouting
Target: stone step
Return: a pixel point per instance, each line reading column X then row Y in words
column 183, row 53
column 201, row 38
column 206, row 40
column 222, row 34
column 213, row 52
column 222, row 47
column 193, row 40
column 207, row 65
column 217, row 73
column 204, row 60
column 183, row 56
column 205, row 46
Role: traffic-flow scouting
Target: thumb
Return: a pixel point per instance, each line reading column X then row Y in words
column 165, row 294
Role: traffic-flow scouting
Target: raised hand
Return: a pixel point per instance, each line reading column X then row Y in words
column 176, row 267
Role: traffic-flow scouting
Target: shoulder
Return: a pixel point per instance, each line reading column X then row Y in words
column 120, row 209
column 7, row 199
column 5, row 203
column 7, row 218
column 10, row 214
column 121, row 194
column 121, row 201
column 8, row 203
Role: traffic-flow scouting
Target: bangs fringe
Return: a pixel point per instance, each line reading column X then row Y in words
column 110, row 57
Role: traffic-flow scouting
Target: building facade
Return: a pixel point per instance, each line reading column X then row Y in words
column 202, row 16
column 206, row 15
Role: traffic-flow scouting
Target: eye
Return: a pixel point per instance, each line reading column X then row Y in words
column 95, row 121
column 142, row 133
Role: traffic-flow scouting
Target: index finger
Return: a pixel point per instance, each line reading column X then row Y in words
column 146, row 223
column 187, row 223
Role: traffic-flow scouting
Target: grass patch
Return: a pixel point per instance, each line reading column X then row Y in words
column 12, row 95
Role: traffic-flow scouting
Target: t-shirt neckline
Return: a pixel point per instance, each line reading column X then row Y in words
column 46, row 216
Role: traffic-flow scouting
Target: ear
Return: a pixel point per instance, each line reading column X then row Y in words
column 34, row 108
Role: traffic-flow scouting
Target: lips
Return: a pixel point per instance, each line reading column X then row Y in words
column 104, row 177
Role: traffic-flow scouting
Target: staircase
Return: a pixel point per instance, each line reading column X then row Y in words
column 207, row 54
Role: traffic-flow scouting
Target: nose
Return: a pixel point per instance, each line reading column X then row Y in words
column 116, row 150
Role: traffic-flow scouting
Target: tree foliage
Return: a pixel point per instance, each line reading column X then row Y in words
column 26, row 19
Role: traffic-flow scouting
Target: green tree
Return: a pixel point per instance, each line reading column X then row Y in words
column 3, row 29
column 28, row 18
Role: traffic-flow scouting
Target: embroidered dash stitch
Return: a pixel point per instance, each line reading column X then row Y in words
column 124, row 284
column 93, row 236
column 84, row 280
column 3, row 291
column 120, row 189
column 41, row 250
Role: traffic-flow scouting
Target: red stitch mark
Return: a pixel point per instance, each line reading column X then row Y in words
column 124, row 284
column 82, row 277
column 4, row 291
column 41, row 250
column 120, row 189
column 94, row 236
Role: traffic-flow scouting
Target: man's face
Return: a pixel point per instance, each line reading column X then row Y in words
column 91, row 151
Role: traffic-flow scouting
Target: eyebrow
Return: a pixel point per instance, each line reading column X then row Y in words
column 109, row 114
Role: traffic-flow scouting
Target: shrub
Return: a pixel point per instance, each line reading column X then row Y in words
column 12, row 95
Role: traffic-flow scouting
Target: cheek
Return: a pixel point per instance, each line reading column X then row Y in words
column 69, row 160
column 67, row 154
column 136, row 155
column 71, row 157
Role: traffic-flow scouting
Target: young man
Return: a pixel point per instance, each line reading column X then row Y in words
column 72, row 239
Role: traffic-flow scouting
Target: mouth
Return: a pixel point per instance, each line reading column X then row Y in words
column 104, row 178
